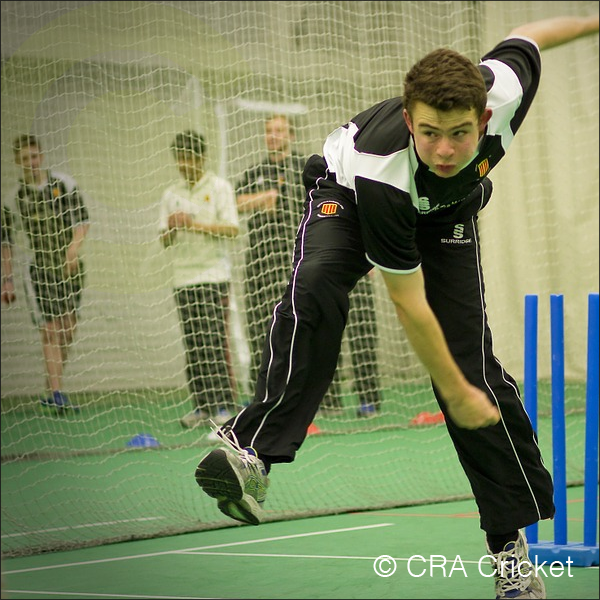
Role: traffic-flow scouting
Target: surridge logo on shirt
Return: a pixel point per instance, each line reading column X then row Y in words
column 424, row 204
column 483, row 167
column 458, row 236
column 329, row 208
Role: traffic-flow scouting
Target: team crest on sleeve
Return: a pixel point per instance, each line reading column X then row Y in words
column 329, row 208
column 483, row 167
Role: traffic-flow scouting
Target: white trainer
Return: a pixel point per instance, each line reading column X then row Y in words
column 514, row 575
column 236, row 477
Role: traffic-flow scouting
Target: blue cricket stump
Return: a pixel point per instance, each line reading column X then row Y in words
column 560, row 550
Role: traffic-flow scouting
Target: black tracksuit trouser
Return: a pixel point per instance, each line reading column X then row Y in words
column 511, row 486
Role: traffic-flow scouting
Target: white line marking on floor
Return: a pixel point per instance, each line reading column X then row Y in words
column 198, row 549
column 317, row 556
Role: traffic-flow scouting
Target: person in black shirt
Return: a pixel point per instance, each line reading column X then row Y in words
column 52, row 213
column 272, row 194
column 399, row 187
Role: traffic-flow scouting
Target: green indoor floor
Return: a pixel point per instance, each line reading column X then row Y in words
column 322, row 557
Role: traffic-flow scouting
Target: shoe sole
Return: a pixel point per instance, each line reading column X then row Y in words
column 218, row 479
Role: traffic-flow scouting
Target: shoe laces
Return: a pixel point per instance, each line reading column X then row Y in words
column 228, row 437
column 514, row 571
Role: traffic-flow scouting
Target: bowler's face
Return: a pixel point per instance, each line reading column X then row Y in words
column 446, row 141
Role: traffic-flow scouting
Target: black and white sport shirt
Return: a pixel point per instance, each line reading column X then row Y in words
column 372, row 160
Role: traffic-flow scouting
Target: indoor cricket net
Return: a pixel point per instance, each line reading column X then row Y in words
column 106, row 86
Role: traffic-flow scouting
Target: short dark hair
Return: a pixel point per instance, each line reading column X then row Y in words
column 445, row 80
column 24, row 141
column 189, row 141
